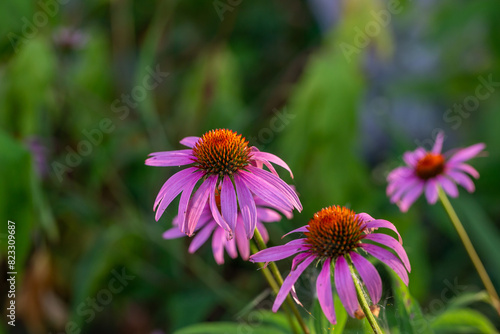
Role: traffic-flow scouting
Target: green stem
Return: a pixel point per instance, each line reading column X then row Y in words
column 362, row 300
column 277, row 275
column 483, row 274
column 272, row 283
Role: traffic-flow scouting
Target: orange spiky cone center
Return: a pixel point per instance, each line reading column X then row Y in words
column 431, row 165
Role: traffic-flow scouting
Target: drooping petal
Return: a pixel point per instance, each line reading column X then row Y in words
column 215, row 210
column 190, row 141
column 279, row 252
column 467, row 153
column 260, row 202
column 263, row 232
column 404, row 187
column 170, row 158
column 369, row 275
column 218, row 241
column 197, row 204
column 389, row 259
column 463, row 180
column 279, row 184
column 466, row 168
column 230, row 246
column 266, row 215
column 392, row 243
column 298, row 259
column 431, row 192
column 410, row 197
column 184, row 201
column 297, row 230
column 241, row 240
column 201, row 237
column 438, row 144
column 290, row 281
column 324, row 291
column 398, row 173
column 263, row 156
column 173, row 233
column 345, row 286
column 365, row 217
column 229, row 206
column 381, row 223
column 448, row 186
column 247, row 206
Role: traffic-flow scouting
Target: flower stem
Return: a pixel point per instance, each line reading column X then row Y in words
column 362, row 300
column 483, row 274
column 274, row 286
column 276, row 273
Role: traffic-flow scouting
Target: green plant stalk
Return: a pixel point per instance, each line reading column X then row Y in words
column 483, row 274
column 274, row 286
column 279, row 279
column 362, row 300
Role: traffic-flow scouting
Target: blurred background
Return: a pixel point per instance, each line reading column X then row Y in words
column 337, row 89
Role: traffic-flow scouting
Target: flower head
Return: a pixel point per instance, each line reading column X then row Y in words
column 334, row 237
column 207, row 227
column 425, row 171
column 221, row 159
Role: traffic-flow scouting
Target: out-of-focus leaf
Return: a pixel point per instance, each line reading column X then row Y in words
column 226, row 328
column 409, row 315
column 462, row 321
column 272, row 319
column 319, row 324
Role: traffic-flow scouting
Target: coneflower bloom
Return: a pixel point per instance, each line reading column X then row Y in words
column 222, row 158
column 425, row 171
column 333, row 237
column 207, row 227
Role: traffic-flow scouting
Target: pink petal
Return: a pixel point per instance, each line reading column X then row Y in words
column 173, row 233
column 247, row 206
column 297, row 230
column 184, row 201
column 201, row 237
column 381, row 223
column 369, row 275
column 466, row 168
column 215, row 210
column 279, row 252
column 463, row 180
column 267, row 215
column 467, row 153
column 230, row 246
column 228, row 202
column 324, row 291
column 345, row 286
column 410, row 197
column 298, row 259
column 399, row 172
column 392, row 243
column 190, row 141
column 218, row 241
column 197, row 205
column 170, row 154
column 389, row 259
column 261, row 203
column 171, row 158
column 290, row 281
column 365, row 217
column 448, row 186
column 431, row 192
column 241, row 240
column 263, row 232
column 405, row 186
column 438, row 144
column 263, row 156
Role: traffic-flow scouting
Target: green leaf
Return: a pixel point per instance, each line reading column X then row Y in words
column 462, row 321
column 227, row 328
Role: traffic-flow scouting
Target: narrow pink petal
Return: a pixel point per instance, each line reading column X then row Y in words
column 448, row 186
column 369, row 275
column 467, row 153
column 197, row 204
column 381, row 223
column 465, row 168
column 247, row 206
column 263, row 156
column 389, row 259
column 263, row 190
column 279, row 252
column 392, row 243
column 438, row 144
column 184, row 201
column 365, row 217
column 228, row 202
column 410, row 197
column 405, row 186
column 431, row 192
column 175, row 184
column 411, row 158
column 297, row 230
column 267, row 215
column 172, row 158
column 201, row 237
column 298, row 259
column 170, row 154
column 263, row 231
column 324, row 291
column 463, row 180
column 399, row 172
column 345, row 286
column 218, row 241
column 279, row 184
column 215, row 210
column 230, row 246
column 173, row 233
column 290, row 281
column 190, row 141
column 241, row 240
column 262, row 203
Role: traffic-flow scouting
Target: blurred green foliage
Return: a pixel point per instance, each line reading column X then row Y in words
column 271, row 71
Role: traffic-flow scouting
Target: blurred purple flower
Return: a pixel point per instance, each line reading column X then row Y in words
column 39, row 155
column 68, row 39
column 426, row 171
column 336, row 235
column 222, row 158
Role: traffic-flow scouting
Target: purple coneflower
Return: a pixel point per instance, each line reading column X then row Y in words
column 336, row 236
column 425, row 171
column 207, row 227
column 222, row 158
